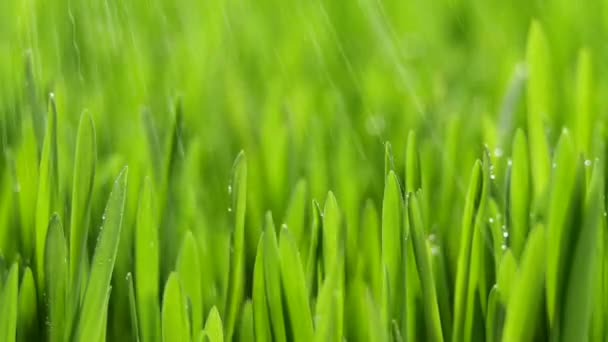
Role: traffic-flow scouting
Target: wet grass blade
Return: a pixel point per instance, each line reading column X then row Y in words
column 103, row 261
column 56, row 266
column 189, row 269
column 147, row 266
column 238, row 189
column 174, row 316
column 294, row 289
column 423, row 264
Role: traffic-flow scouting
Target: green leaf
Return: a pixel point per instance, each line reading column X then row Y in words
column 331, row 231
column 507, row 273
column 260, row 303
column 272, row 280
column 328, row 319
column 147, row 266
column 102, row 266
column 295, row 217
column 413, row 176
column 582, row 277
column 294, row 289
column 314, row 250
column 370, row 250
column 48, row 185
column 236, row 277
column 133, row 308
column 246, row 330
column 82, row 190
column 525, row 301
column 56, row 264
column 519, row 194
column 27, row 329
column 213, row 326
column 583, row 112
column 174, row 316
column 188, row 269
column 8, row 305
column 392, row 248
column 540, row 105
column 423, row 263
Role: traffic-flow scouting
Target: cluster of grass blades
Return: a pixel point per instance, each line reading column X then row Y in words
column 513, row 248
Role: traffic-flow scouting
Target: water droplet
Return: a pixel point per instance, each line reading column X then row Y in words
column 229, row 189
column 503, row 247
column 587, row 162
column 498, row 152
column 434, row 250
column 605, row 214
column 491, row 220
column 505, row 234
column 554, row 165
column 509, row 162
column 492, row 176
column 229, row 209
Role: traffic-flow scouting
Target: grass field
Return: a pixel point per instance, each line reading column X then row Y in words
column 421, row 170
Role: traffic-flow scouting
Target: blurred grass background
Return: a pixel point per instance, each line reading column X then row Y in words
column 309, row 90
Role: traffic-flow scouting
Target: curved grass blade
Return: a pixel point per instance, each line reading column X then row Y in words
column 582, row 277
column 8, row 306
column 82, row 190
column 103, row 261
column 174, row 317
column 423, row 263
column 236, row 277
column 56, row 266
column 272, row 281
column 519, row 190
column 147, row 266
column 260, row 303
column 48, row 185
column 188, row 269
column 527, row 294
column 213, row 326
column 27, row 328
column 294, row 289
column 539, row 105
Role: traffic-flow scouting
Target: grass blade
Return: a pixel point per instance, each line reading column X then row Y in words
column 8, row 305
column 133, row 308
column 188, row 269
column 260, row 302
column 519, row 190
column 272, row 280
column 174, row 317
column 27, row 328
column 213, row 326
column 56, row 266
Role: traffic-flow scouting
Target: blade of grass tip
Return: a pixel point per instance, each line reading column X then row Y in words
column 272, row 280
column 331, row 232
column 464, row 254
column 294, row 289
column 56, row 266
column 8, row 305
column 147, row 266
column 104, row 316
column 526, row 298
column 576, row 313
column 395, row 332
column 507, row 273
column 188, row 269
column 246, row 330
column 583, row 99
column 362, row 318
column 562, row 198
column 412, row 164
column 295, row 217
column 132, row 308
column 539, row 105
column 47, row 189
column 328, row 313
column 103, row 261
column 27, row 329
column 392, row 249
column 440, row 274
column 423, row 263
column 82, row 190
column 314, row 250
column 370, row 259
column 236, row 281
column 389, row 164
column 519, row 190
column 174, row 317
column 213, row 326
column 492, row 323
column 261, row 322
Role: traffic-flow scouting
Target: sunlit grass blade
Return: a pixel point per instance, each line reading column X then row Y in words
column 82, row 190
column 27, row 323
column 294, row 289
column 261, row 320
column 174, row 316
column 540, row 105
column 189, row 271
column 48, row 187
column 213, row 326
column 519, row 194
column 103, row 261
column 8, row 305
column 147, row 266
column 576, row 313
column 238, row 189
column 526, row 298
column 56, row 266
column 423, row 263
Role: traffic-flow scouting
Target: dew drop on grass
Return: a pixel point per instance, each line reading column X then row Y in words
column 509, row 162
column 491, row 220
column 505, row 234
column 587, row 162
column 498, row 152
column 554, row 165
column 229, row 209
column 229, row 189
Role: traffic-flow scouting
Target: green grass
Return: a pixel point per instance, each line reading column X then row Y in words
column 303, row 171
